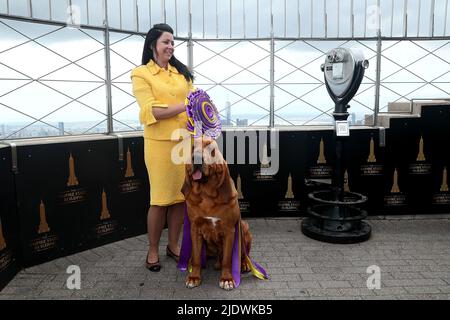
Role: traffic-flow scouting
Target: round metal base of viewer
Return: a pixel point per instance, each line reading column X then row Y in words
column 354, row 236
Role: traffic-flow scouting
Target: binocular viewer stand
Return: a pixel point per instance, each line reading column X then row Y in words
column 335, row 217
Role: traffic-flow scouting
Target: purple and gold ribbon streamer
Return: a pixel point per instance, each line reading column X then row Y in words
column 184, row 263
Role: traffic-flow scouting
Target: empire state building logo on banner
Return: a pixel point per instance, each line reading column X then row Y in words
column 129, row 183
column 106, row 224
column 72, row 180
column 371, row 168
column 45, row 239
column 72, row 193
column 321, row 170
column 289, row 204
column 244, row 205
column 129, row 171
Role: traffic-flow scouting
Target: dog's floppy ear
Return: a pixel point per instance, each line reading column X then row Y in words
column 226, row 190
column 186, row 185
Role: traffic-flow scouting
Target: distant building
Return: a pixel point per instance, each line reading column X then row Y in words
column 61, row 128
column 242, row 122
column 352, row 118
column 228, row 111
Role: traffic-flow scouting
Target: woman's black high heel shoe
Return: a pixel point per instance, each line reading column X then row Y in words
column 169, row 253
column 153, row 267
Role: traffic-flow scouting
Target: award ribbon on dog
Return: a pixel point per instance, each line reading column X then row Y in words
column 203, row 117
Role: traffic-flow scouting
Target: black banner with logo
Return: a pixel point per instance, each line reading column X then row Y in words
column 89, row 191
column 80, row 194
column 435, row 120
column 9, row 229
column 133, row 191
column 364, row 166
column 291, row 190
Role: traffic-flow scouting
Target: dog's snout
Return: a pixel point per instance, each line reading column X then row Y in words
column 197, row 166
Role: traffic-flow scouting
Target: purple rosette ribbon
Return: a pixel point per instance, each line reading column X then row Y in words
column 203, row 117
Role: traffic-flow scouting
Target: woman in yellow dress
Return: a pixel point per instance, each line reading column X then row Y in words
column 161, row 85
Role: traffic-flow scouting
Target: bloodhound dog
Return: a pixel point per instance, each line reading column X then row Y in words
column 213, row 212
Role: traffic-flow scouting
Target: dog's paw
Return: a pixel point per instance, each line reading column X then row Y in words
column 245, row 268
column 226, row 284
column 192, row 282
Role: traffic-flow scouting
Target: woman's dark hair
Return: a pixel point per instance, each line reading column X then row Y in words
column 150, row 43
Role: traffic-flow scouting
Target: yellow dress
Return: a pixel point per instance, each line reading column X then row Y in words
column 156, row 87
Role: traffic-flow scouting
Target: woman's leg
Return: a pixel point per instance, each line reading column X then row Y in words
column 175, row 217
column 156, row 218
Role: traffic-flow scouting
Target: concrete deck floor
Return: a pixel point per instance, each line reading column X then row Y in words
column 412, row 252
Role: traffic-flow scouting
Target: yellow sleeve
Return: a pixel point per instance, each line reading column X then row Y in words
column 145, row 99
column 191, row 86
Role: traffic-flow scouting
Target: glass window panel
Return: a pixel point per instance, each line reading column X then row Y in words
column 425, row 18
column 157, row 15
column 128, row 15
column 143, row 15
column 41, row 9
column 75, row 118
column 372, row 18
column 264, row 18
column 439, row 17
column 70, row 43
column 19, row 59
column 181, row 51
column 305, row 18
column 3, row 6
column 11, row 120
column 210, row 19
column 171, row 14
column 197, row 18
column 79, row 11
column 129, row 49
column 59, row 10
column 251, row 19
column 332, row 21
column 345, row 18
column 359, row 18
column 318, row 22
column 447, row 19
column 114, row 13
column 96, row 12
column 223, row 9
column 386, row 10
column 127, row 119
column 278, row 18
column 19, row 8
column 25, row 100
column 413, row 14
column 237, row 21
column 183, row 18
column 447, row 25
column 398, row 18
column 122, row 97
column 292, row 18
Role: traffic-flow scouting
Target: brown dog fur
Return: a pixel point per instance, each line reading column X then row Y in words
column 213, row 211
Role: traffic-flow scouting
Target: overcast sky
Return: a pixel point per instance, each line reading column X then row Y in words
column 30, row 60
column 249, row 17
